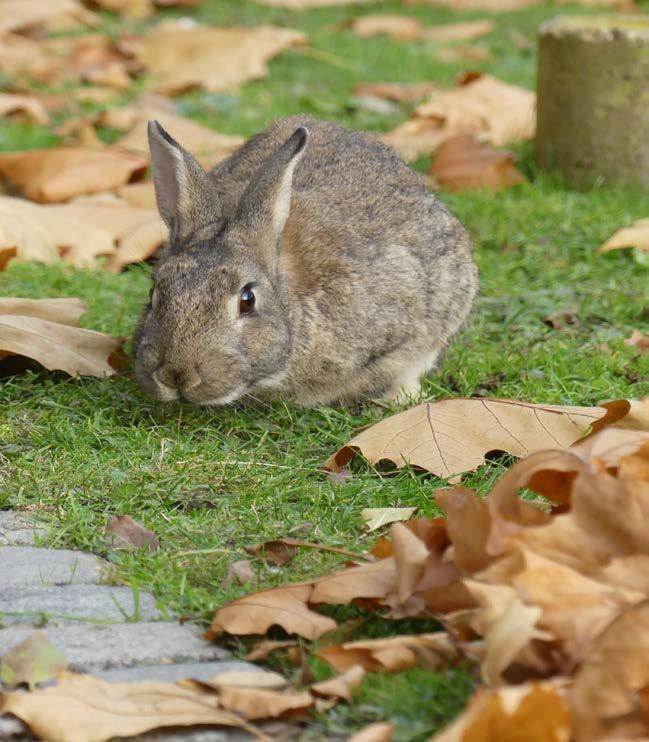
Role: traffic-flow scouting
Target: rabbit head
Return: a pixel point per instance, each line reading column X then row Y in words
column 217, row 324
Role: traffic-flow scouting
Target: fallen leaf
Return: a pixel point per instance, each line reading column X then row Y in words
column 406, row 28
column 638, row 340
column 61, row 173
column 375, row 518
column 140, row 195
column 340, row 686
column 394, row 654
column 462, row 53
column 81, row 708
column 493, row 111
column 258, row 703
column 453, row 436
column 635, row 236
column 122, row 532
column 562, row 319
column 530, row 712
column 59, row 347
column 129, row 8
column 379, row 732
column 241, row 571
column 606, row 688
column 308, row 4
column 23, row 105
column 462, row 163
column 32, row 661
column 396, row 91
column 248, row 679
column 24, row 57
column 492, row 6
column 17, row 15
column 6, row 255
column 179, row 57
column 264, row 648
column 65, row 311
column 283, row 606
column 281, row 551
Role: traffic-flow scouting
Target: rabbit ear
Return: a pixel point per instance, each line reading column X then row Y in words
column 187, row 198
column 264, row 205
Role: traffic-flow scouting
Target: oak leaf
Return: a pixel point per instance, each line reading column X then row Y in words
column 218, row 59
column 340, row 686
column 453, row 436
column 462, row 163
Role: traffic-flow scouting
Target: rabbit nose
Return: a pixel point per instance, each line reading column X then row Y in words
column 176, row 378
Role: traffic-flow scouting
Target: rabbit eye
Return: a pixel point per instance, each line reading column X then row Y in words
column 246, row 301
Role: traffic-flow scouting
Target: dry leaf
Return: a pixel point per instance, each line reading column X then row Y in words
column 241, row 571
column 638, row 340
column 606, row 689
column 129, row 8
column 308, row 4
column 205, row 144
column 375, row 518
column 16, row 15
column 483, row 106
column 32, row 661
column 379, row 732
column 406, row 28
column 61, row 173
column 218, row 59
column 264, row 648
column 258, row 703
column 453, row 436
column 340, row 686
column 635, row 236
column 394, row 654
column 140, row 195
column 21, row 56
column 6, row 255
column 462, row 163
column 396, row 91
column 462, row 53
column 283, row 606
column 59, row 347
column 81, row 708
column 532, row 712
column 247, row 679
column 492, row 6
column 27, row 106
column 67, row 311
column 122, row 532
column 280, row 551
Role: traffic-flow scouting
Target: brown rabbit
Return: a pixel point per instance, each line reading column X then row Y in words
column 311, row 265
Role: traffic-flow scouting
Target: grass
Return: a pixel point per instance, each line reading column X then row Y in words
column 211, row 482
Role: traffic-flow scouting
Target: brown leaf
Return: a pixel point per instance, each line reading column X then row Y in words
column 406, row 28
column 375, row 518
column 81, row 708
column 59, row 347
column 379, row 732
column 461, row 53
column 394, row 654
column 6, row 255
column 264, row 648
column 280, row 551
column 61, row 173
column 283, row 606
column 129, row 8
column 462, row 163
column 122, row 532
column 340, row 686
column 532, row 711
column 483, row 106
column 635, row 236
column 562, row 319
column 23, row 105
column 307, row 4
column 66, row 311
column 492, row 6
column 241, row 571
column 638, row 340
column 453, row 436
column 32, row 661
column 396, row 91
column 18, row 15
column 217, row 59
column 247, row 679
column 257, row 703
column 605, row 697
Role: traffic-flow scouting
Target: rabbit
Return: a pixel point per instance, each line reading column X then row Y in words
column 312, row 265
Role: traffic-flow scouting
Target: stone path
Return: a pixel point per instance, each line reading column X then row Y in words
column 99, row 628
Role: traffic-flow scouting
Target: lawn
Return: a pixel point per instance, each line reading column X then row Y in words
column 211, row 482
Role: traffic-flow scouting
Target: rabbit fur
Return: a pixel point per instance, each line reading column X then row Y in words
column 360, row 276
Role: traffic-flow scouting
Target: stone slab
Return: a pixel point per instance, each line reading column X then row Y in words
column 66, row 603
column 93, row 647
column 28, row 566
column 172, row 673
column 17, row 530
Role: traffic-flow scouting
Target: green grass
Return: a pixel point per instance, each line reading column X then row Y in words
column 215, row 481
